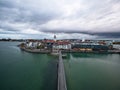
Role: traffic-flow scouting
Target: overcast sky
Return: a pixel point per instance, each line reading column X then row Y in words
column 78, row 19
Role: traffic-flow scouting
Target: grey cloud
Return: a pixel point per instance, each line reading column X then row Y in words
column 99, row 34
column 109, row 34
column 11, row 10
column 7, row 4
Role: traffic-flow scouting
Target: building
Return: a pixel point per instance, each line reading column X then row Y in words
column 89, row 46
column 49, row 43
column 33, row 44
column 62, row 45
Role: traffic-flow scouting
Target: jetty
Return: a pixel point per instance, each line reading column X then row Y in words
column 61, row 74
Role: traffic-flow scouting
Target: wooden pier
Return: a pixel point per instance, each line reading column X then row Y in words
column 61, row 74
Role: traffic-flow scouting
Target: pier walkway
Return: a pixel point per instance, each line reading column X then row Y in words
column 61, row 74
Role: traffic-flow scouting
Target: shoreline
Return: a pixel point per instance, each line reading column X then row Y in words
column 35, row 50
column 69, row 51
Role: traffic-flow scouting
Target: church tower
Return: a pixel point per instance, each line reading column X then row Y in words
column 54, row 37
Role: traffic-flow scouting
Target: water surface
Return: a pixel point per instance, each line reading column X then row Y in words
column 20, row 70
column 93, row 71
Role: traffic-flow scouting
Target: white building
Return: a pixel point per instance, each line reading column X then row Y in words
column 62, row 45
column 33, row 44
column 116, row 46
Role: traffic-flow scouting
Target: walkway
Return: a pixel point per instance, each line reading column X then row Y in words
column 61, row 74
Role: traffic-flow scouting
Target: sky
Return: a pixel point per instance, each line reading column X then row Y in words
column 67, row 19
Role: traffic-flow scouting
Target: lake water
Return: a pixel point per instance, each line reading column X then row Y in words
column 93, row 71
column 20, row 70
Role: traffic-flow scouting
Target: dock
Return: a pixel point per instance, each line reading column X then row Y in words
column 61, row 74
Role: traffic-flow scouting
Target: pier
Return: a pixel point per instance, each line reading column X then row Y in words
column 61, row 74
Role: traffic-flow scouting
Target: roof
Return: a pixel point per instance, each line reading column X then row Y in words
column 62, row 43
column 57, row 42
column 49, row 41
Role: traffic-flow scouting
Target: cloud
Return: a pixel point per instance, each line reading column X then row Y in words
column 42, row 18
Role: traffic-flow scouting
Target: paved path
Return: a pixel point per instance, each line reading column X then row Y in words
column 61, row 74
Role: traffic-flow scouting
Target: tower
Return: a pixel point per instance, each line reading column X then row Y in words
column 83, row 40
column 54, row 37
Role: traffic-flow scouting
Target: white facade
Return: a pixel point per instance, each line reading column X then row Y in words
column 116, row 46
column 33, row 44
column 30, row 44
column 65, row 46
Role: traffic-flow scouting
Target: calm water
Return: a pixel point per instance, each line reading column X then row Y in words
column 93, row 71
column 20, row 70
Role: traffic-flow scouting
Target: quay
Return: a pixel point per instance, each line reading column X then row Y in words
column 35, row 50
column 61, row 74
